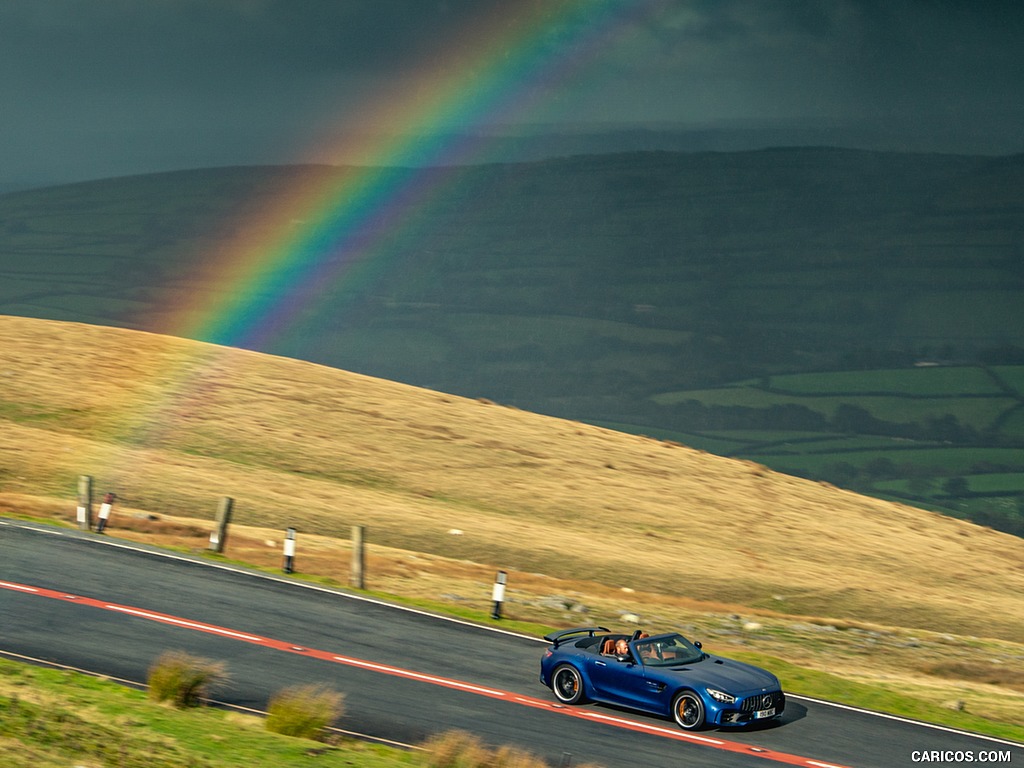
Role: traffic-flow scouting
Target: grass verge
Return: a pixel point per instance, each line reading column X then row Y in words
column 49, row 718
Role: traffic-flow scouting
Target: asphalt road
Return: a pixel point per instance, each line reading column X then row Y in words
column 105, row 607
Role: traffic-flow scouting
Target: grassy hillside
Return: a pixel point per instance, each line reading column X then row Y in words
column 606, row 288
column 172, row 425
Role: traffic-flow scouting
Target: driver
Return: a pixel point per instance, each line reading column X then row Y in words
column 621, row 647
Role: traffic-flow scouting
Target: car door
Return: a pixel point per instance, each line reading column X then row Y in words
column 620, row 682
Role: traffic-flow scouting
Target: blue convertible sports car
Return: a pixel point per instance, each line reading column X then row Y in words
column 662, row 674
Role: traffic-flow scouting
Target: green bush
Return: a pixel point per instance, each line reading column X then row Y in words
column 182, row 679
column 304, row 710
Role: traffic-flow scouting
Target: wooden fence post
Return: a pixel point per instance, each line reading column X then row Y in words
column 219, row 535
column 358, row 557
column 85, row 502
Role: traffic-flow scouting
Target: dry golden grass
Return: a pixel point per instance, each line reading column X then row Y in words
column 459, row 749
column 172, row 425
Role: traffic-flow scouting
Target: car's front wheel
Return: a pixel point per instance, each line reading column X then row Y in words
column 688, row 711
column 567, row 684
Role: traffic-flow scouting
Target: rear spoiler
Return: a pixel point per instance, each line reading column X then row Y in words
column 564, row 634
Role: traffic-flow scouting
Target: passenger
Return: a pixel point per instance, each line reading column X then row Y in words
column 621, row 647
column 647, row 650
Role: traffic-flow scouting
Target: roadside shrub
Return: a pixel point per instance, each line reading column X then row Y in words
column 459, row 749
column 456, row 749
column 513, row 757
column 304, row 710
column 182, row 679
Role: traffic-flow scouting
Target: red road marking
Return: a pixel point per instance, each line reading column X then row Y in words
column 480, row 690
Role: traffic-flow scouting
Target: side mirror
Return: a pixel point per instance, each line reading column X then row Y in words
column 623, row 657
column 698, row 644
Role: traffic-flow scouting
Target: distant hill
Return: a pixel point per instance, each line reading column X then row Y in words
column 658, row 292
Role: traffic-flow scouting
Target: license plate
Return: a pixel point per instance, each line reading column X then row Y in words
column 763, row 713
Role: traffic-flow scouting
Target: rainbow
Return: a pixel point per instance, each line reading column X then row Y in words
column 330, row 230
column 333, row 229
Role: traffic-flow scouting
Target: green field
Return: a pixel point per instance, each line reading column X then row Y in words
column 999, row 483
column 947, row 437
column 923, row 381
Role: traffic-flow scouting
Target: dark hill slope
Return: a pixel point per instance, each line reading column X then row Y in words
column 718, row 265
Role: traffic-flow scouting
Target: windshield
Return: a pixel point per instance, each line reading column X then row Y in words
column 668, row 651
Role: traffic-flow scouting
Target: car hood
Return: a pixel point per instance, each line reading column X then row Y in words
column 731, row 676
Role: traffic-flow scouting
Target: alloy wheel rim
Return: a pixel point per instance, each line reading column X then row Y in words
column 567, row 684
column 687, row 710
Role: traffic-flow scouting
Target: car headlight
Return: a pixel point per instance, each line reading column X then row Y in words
column 721, row 696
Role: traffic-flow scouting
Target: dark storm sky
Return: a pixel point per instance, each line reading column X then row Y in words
column 92, row 88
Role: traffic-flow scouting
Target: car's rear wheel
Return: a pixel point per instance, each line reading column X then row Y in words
column 688, row 711
column 567, row 684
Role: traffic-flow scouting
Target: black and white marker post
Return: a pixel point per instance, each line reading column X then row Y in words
column 498, row 593
column 289, row 551
column 105, row 509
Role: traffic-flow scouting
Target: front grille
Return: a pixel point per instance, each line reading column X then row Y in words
column 774, row 700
